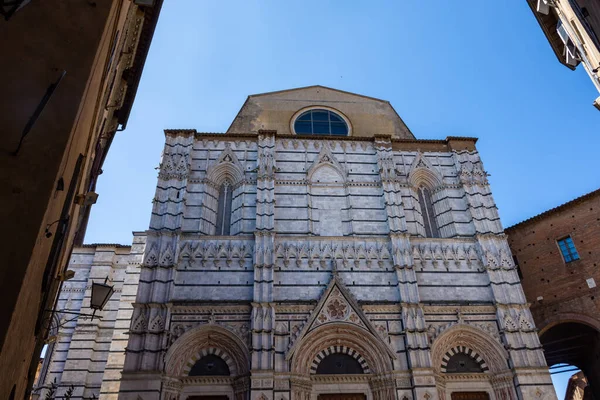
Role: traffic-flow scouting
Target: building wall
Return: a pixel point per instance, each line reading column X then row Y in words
column 88, row 353
column 327, row 253
column 562, row 286
column 564, row 295
column 264, row 294
column 59, row 159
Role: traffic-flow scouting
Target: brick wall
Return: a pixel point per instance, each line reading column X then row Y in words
column 563, row 286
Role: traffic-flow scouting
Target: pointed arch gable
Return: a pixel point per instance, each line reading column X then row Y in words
column 207, row 339
column 423, row 173
column 326, row 158
column 227, row 167
column 337, row 290
column 476, row 340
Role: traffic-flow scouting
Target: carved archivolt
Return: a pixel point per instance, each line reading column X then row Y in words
column 203, row 338
column 464, row 350
column 341, row 334
column 473, row 338
column 212, row 350
column 227, row 167
column 423, row 173
column 339, row 350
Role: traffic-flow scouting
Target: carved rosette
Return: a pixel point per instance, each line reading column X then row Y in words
column 337, row 309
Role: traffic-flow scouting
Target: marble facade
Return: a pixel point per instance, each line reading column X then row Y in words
column 327, row 254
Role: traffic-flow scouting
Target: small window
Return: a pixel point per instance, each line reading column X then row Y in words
column 567, row 248
column 224, row 210
column 428, row 213
column 320, row 122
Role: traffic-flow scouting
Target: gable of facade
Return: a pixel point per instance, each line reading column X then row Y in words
column 366, row 116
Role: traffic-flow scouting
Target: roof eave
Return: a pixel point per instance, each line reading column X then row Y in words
column 151, row 15
column 554, row 210
column 548, row 25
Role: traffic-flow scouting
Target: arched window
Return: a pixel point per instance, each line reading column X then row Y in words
column 210, row 365
column 320, row 122
column 428, row 213
column 224, row 210
column 339, row 363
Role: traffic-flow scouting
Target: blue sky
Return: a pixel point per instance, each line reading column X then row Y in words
column 468, row 68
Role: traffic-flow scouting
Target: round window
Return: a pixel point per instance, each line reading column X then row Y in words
column 320, row 122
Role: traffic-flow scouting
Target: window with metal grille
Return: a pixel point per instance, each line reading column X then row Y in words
column 567, row 249
column 428, row 213
column 320, row 122
column 224, row 210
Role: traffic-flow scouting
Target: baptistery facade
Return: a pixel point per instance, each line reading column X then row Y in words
column 317, row 250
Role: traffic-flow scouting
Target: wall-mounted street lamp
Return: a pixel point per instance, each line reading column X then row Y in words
column 101, row 293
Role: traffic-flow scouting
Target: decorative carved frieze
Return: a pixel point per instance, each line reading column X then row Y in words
column 446, row 254
column 215, row 253
column 319, row 253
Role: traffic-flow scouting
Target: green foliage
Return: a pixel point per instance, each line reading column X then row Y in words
column 51, row 390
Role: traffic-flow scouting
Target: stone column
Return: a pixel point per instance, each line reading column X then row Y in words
column 263, row 312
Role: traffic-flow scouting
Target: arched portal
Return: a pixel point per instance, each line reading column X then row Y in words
column 576, row 344
column 342, row 359
column 471, row 365
column 208, row 362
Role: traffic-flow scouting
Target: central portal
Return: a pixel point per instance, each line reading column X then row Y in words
column 470, row 396
column 208, row 398
column 345, row 396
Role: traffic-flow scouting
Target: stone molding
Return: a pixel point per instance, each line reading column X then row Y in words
column 194, row 341
column 474, row 338
column 339, row 350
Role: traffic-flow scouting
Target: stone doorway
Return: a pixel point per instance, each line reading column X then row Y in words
column 470, row 396
column 208, row 398
column 345, row 396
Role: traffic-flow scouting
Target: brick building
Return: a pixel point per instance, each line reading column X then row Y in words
column 558, row 254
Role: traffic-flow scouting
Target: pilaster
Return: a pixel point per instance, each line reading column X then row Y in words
column 263, row 312
column 416, row 342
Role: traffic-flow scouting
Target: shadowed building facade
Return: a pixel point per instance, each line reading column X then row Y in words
column 317, row 250
column 70, row 70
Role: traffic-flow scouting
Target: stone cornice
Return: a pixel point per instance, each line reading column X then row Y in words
column 450, row 143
